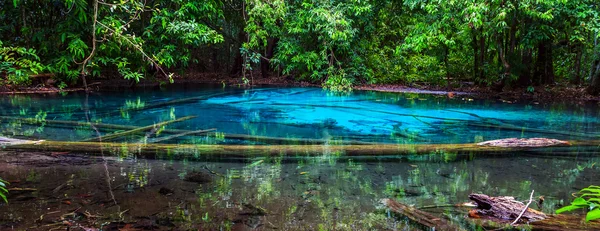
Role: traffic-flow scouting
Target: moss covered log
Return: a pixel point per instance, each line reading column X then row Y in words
column 180, row 151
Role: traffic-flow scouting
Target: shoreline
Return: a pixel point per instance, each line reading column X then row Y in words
column 556, row 92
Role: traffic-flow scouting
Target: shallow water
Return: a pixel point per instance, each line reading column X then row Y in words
column 324, row 192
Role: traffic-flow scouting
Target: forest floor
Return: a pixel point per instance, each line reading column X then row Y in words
column 556, row 92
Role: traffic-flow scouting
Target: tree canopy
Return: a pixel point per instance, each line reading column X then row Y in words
column 496, row 43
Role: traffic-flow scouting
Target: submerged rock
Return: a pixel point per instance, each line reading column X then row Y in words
column 198, row 177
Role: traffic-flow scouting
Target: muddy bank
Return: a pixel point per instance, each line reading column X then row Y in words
column 557, row 92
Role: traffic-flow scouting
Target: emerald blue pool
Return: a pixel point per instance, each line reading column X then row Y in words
column 323, row 192
column 300, row 113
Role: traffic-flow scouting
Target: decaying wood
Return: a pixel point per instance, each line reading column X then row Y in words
column 195, row 151
column 525, row 142
column 140, row 129
column 506, row 208
column 428, row 220
column 559, row 222
column 180, row 151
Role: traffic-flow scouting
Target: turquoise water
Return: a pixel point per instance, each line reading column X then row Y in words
column 299, row 113
column 325, row 192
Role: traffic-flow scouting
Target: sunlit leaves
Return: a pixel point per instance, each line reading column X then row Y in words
column 3, row 190
column 588, row 198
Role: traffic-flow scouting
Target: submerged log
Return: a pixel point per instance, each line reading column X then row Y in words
column 426, row 219
column 162, row 139
column 281, row 140
column 248, row 151
column 140, row 129
column 179, row 151
column 525, row 143
column 262, row 139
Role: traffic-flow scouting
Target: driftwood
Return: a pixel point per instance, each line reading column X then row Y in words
column 140, row 129
column 525, row 143
column 426, row 219
column 499, row 212
column 506, row 208
column 559, row 222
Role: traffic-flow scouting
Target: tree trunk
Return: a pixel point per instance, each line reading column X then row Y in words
column 265, row 62
column 447, row 67
column 577, row 78
column 502, row 58
column 544, row 67
column 476, row 64
column 482, row 54
column 525, row 72
column 238, row 62
column 594, row 88
column 215, row 60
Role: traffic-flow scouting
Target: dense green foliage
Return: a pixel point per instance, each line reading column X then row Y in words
column 588, row 198
column 3, row 190
column 337, row 43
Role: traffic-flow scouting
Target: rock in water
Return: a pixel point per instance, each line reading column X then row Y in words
column 198, row 177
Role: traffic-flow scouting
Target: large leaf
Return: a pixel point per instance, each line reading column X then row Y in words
column 593, row 215
column 570, row 208
column 579, row 201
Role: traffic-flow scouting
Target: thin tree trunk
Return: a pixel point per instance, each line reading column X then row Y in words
column 265, row 62
column 475, row 54
column 482, row 54
column 447, row 67
column 594, row 88
column 577, row 78
column 544, row 67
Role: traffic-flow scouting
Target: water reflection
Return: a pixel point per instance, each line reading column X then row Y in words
column 308, row 193
column 305, row 113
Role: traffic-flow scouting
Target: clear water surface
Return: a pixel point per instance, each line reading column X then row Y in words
column 323, row 192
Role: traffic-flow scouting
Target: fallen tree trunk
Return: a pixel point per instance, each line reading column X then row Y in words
column 423, row 218
column 179, row 151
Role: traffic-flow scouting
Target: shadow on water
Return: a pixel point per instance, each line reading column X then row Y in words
column 52, row 190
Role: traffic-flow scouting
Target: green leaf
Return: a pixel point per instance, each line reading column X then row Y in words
column 579, row 201
column 593, row 215
column 569, row 208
